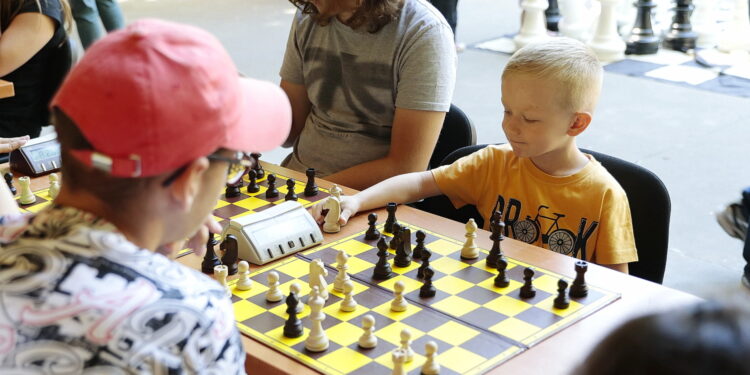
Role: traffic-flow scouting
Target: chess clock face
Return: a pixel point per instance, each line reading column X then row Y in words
column 274, row 233
column 37, row 157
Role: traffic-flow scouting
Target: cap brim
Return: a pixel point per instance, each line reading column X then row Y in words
column 265, row 120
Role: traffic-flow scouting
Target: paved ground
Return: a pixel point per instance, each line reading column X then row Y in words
column 692, row 139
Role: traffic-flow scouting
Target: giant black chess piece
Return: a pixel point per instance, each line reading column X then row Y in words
column 231, row 255
column 681, row 36
column 642, row 39
column 552, row 14
column 210, row 260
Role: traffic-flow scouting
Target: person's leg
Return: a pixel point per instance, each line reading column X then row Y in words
column 448, row 9
column 87, row 21
column 111, row 14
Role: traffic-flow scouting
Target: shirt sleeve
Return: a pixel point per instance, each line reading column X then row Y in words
column 616, row 242
column 291, row 68
column 464, row 181
column 50, row 8
column 427, row 74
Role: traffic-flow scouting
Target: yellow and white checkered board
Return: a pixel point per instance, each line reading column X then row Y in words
column 463, row 349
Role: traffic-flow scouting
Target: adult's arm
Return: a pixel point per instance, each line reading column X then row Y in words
column 300, row 109
column 413, row 138
column 27, row 34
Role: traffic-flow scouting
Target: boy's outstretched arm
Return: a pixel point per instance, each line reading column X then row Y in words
column 403, row 188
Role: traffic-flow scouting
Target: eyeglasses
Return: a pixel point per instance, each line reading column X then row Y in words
column 238, row 165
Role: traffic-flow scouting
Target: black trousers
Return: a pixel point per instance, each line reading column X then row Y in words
column 448, row 9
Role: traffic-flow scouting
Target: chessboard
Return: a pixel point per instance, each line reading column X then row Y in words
column 476, row 325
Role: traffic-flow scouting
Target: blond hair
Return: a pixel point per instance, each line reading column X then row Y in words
column 567, row 61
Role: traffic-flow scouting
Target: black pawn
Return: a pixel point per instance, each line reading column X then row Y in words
column 393, row 244
column 231, row 255
column 562, row 301
column 233, row 190
column 391, row 208
column 552, row 14
column 528, row 290
column 259, row 172
column 642, row 40
column 311, row 189
column 497, row 226
column 417, row 253
column 681, row 36
column 291, row 195
column 403, row 257
column 579, row 289
column 252, row 187
column 382, row 269
column 501, row 280
column 372, row 231
column 210, row 260
column 293, row 326
column 272, row 191
column 426, row 254
column 427, row 290
column 9, row 180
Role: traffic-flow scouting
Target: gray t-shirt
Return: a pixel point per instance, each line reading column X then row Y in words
column 355, row 80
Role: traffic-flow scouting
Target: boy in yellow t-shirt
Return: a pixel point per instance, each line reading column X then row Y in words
column 551, row 194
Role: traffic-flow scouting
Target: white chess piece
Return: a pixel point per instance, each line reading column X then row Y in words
column 368, row 340
column 27, row 196
column 406, row 345
column 348, row 304
column 607, row 43
column 470, row 250
column 316, row 341
column 221, row 272
column 399, row 302
column 54, row 186
column 430, row 367
column 317, row 277
column 398, row 362
column 295, row 288
column 331, row 222
column 273, row 294
column 534, row 24
column 736, row 36
column 575, row 22
column 342, row 276
column 704, row 22
column 244, row 282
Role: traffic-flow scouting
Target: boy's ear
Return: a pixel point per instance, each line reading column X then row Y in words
column 580, row 122
column 186, row 187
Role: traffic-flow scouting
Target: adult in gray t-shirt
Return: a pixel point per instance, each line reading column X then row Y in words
column 368, row 106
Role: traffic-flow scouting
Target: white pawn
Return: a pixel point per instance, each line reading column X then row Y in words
column 27, row 196
column 533, row 24
column 295, row 288
column 317, row 341
column 607, row 43
column 399, row 302
column 244, row 282
column 406, row 345
column 430, row 367
column 398, row 362
column 274, row 293
column 54, row 186
column 221, row 272
column 368, row 340
column 348, row 304
column 470, row 250
column 341, row 277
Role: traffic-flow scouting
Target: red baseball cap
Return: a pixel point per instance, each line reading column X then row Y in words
column 156, row 95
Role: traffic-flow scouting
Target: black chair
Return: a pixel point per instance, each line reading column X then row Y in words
column 457, row 132
column 650, row 208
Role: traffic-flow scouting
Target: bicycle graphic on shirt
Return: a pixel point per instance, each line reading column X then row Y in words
column 559, row 239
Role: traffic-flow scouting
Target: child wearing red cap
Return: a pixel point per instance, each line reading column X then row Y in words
column 86, row 280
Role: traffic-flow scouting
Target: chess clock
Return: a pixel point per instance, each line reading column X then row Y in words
column 37, row 157
column 270, row 234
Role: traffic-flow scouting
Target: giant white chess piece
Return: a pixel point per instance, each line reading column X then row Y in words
column 704, row 22
column 575, row 22
column 736, row 37
column 607, row 43
column 533, row 25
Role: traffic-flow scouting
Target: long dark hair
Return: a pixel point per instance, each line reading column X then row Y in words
column 371, row 14
column 9, row 9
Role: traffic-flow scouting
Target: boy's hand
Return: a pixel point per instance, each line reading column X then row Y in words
column 349, row 207
column 197, row 241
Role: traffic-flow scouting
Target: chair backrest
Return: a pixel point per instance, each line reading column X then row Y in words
column 650, row 208
column 457, row 132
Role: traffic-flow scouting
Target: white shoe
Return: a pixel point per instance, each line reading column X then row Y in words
column 733, row 220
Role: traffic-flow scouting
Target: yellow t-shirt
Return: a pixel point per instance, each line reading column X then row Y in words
column 586, row 212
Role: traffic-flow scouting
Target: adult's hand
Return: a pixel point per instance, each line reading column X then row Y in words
column 10, row 144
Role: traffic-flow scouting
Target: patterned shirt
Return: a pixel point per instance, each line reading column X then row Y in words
column 76, row 297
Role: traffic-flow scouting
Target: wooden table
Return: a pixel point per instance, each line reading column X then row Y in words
column 6, row 89
column 558, row 354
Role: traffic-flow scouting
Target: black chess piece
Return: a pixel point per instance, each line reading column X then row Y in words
column 310, row 188
column 252, row 186
column 382, row 269
column 291, row 195
column 562, row 301
column 272, row 191
column 9, row 180
column 293, row 325
column 231, row 254
column 427, row 290
column 233, row 190
column 642, row 39
column 579, row 289
column 497, row 226
column 372, row 231
column 528, row 290
column 417, row 253
column 426, row 254
column 681, row 36
column 391, row 209
column 210, row 260
column 257, row 167
column 552, row 14
column 501, row 280
column 403, row 259
column 393, row 244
